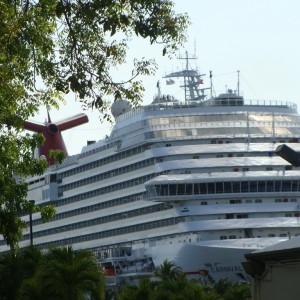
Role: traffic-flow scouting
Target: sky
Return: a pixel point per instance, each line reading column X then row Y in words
column 258, row 38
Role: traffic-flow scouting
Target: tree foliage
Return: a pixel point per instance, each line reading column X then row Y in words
column 49, row 48
column 15, row 268
column 67, row 274
column 60, row 273
column 52, row 47
column 168, row 271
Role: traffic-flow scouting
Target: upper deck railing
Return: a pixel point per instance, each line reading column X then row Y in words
column 238, row 102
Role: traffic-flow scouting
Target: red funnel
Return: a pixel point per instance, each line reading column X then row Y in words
column 52, row 133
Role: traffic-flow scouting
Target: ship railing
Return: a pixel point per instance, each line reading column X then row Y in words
column 207, row 103
column 113, row 253
column 139, row 140
column 274, row 103
column 135, row 267
column 123, row 266
column 121, row 257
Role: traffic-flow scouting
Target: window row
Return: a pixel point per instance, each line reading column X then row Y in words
column 223, row 187
column 221, row 118
column 101, row 220
column 99, row 149
column 112, row 232
column 109, row 174
column 221, row 131
column 232, row 120
column 106, row 189
column 102, row 205
column 103, row 161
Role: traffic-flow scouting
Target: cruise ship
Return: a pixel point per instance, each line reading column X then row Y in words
column 195, row 181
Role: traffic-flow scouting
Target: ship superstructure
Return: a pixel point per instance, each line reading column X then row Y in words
column 196, row 182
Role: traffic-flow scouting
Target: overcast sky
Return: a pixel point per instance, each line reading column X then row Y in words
column 260, row 38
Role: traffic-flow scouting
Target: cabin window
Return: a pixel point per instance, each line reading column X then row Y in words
column 295, row 185
column 203, row 188
column 196, row 189
column 253, row 186
column 245, row 186
column 227, row 187
column 172, row 189
column 277, row 186
column 211, row 187
column 181, row 189
column 242, row 216
column 229, row 216
column 235, row 201
column 270, row 186
column 189, row 189
column 236, row 187
column 261, row 186
column 219, row 187
column 286, row 185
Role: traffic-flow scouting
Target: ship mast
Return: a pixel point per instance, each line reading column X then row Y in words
column 191, row 80
column 238, row 83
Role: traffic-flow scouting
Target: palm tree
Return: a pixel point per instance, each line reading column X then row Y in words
column 30, row 290
column 239, row 291
column 172, row 281
column 70, row 275
column 168, row 271
column 221, row 286
column 31, row 257
column 15, row 267
column 11, row 275
column 142, row 291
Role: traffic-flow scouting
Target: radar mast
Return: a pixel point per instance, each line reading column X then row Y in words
column 191, row 81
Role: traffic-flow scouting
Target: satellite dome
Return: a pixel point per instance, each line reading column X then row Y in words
column 120, row 107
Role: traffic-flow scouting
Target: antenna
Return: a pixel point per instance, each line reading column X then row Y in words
column 210, row 77
column 158, row 89
column 238, row 83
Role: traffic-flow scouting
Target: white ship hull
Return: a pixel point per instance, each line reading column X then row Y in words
column 202, row 261
column 214, row 259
